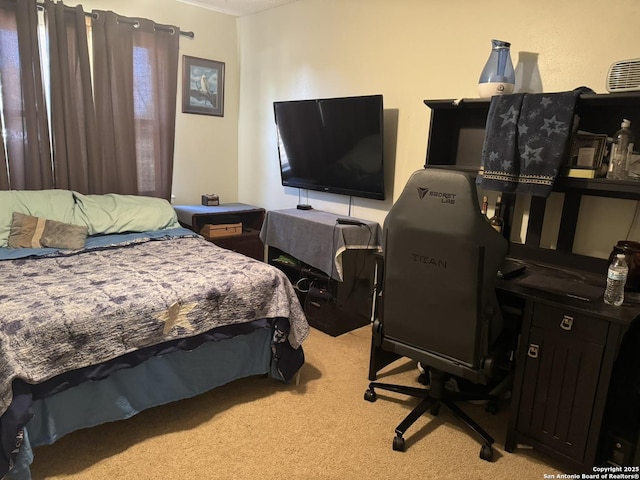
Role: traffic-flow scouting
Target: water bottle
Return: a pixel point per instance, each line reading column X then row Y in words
column 616, row 280
column 621, row 149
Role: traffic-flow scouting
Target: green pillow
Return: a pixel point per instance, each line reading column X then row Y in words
column 37, row 232
column 55, row 205
column 115, row 213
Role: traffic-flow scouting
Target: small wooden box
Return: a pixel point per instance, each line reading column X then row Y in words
column 221, row 230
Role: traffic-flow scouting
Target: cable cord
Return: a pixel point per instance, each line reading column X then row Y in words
column 299, row 285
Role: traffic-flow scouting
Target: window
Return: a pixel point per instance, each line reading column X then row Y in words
column 113, row 133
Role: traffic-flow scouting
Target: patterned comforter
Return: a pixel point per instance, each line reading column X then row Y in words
column 67, row 312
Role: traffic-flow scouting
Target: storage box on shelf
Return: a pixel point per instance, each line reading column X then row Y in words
column 210, row 231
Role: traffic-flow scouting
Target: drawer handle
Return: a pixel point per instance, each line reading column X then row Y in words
column 533, row 350
column 566, row 323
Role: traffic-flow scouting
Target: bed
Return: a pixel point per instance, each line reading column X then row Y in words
column 109, row 307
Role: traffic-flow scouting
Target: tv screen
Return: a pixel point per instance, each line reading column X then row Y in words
column 332, row 145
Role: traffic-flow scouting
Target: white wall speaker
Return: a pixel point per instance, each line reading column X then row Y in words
column 624, row 76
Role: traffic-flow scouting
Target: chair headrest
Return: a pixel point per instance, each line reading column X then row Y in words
column 445, row 199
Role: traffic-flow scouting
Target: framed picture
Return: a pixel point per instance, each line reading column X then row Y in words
column 587, row 150
column 202, row 86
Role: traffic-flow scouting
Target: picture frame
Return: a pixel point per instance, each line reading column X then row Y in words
column 202, row 86
column 587, row 150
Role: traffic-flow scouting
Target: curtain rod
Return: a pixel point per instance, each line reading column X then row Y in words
column 162, row 28
column 156, row 26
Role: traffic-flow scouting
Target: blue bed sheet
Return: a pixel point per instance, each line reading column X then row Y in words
column 97, row 242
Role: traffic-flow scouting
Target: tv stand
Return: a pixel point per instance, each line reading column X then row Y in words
column 330, row 264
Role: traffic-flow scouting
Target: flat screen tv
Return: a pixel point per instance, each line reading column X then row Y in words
column 332, row 145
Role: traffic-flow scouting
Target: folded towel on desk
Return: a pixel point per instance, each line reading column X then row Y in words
column 526, row 140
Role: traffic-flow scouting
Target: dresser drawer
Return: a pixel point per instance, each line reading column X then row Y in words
column 562, row 321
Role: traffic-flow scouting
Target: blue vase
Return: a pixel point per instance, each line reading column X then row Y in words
column 498, row 76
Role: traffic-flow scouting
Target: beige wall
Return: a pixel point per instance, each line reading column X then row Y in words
column 411, row 50
column 408, row 50
column 206, row 149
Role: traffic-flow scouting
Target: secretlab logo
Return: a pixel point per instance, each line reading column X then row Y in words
column 422, row 192
column 444, row 197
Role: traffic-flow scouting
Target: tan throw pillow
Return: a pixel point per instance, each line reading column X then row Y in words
column 34, row 232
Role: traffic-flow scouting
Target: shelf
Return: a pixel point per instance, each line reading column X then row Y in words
column 477, row 103
column 601, row 187
column 456, row 140
column 631, row 99
column 456, row 136
column 611, row 99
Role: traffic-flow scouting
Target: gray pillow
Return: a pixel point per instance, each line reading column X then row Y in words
column 34, row 232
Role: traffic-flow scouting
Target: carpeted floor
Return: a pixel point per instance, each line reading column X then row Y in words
column 259, row 428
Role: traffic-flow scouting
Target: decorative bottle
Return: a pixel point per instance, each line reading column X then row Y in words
column 496, row 221
column 621, row 149
column 498, row 76
column 485, row 205
column 616, row 280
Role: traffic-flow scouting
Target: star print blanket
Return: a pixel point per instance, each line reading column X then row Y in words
column 66, row 312
column 526, row 140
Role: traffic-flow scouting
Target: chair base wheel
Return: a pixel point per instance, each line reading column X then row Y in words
column 486, row 453
column 370, row 396
column 492, row 406
column 431, row 401
column 398, row 444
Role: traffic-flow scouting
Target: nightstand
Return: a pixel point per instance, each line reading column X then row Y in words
column 248, row 242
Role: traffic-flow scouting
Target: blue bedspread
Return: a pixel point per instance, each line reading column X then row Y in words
column 63, row 310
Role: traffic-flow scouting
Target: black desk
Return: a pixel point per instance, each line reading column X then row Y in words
column 564, row 365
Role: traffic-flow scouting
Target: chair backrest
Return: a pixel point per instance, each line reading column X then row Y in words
column 441, row 257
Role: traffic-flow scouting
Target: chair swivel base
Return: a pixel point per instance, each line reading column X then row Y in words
column 432, row 404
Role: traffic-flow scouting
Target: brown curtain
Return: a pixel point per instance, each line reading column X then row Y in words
column 135, row 80
column 73, row 125
column 25, row 114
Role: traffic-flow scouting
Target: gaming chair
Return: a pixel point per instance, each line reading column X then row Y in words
column 436, row 301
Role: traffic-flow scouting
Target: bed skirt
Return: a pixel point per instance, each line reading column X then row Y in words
column 157, row 381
